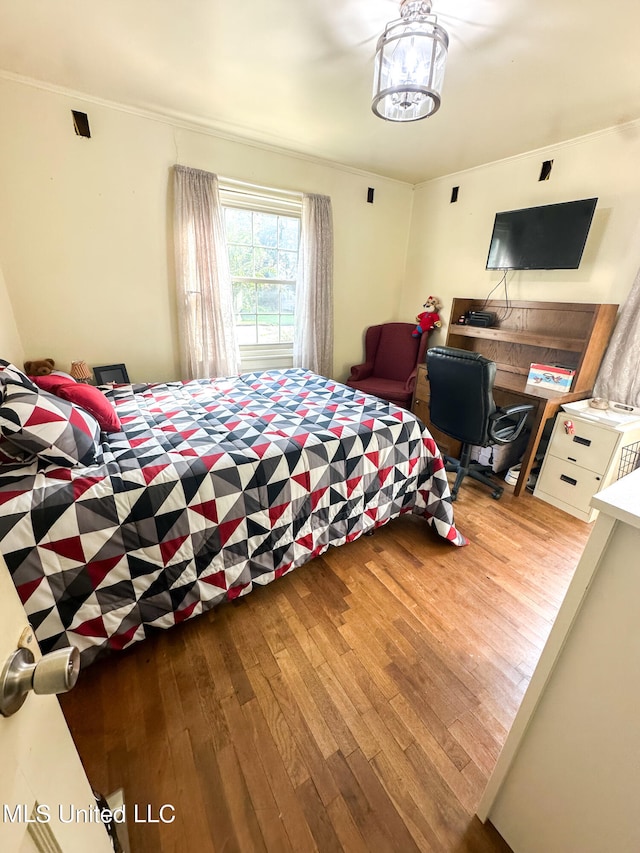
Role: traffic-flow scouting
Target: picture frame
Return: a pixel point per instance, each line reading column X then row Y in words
column 111, row 373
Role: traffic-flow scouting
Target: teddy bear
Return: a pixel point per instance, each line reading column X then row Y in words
column 428, row 319
column 40, row 367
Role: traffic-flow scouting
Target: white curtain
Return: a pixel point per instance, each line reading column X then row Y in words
column 619, row 375
column 313, row 341
column 208, row 345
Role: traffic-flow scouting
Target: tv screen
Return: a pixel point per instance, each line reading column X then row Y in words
column 550, row 237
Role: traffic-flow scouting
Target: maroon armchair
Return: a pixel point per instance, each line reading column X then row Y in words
column 392, row 357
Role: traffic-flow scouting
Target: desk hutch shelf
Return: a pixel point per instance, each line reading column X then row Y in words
column 573, row 334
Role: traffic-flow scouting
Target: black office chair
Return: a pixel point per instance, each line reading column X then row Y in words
column 462, row 406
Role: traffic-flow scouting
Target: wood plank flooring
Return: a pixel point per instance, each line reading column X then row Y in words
column 357, row 704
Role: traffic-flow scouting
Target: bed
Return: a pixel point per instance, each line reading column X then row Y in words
column 209, row 487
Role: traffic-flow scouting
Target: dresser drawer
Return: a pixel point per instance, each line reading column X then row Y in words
column 421, row 410
column 591, row 446
column 422, row 391
column 568, row 482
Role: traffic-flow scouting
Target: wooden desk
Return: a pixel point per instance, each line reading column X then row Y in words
column 509, row 389
column 574, row 334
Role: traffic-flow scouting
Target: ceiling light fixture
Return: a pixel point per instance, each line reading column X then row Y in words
column 409, row 67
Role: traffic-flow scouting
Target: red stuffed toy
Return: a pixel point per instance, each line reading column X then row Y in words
column 429, row 319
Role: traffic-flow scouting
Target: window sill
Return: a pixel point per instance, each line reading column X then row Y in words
column 265, row 357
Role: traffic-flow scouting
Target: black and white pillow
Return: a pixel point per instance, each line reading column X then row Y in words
column 36, row 423
column 10, row 373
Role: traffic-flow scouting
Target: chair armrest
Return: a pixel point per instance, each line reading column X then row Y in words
column 410, row 384
column 511, row 430
column 507, row 411
column 361, row 371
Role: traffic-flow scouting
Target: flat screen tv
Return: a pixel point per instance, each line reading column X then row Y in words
column 549, row 237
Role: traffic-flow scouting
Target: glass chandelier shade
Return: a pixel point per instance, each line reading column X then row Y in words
column 410, row 64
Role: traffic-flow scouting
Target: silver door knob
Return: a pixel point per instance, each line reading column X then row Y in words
column 56, row 672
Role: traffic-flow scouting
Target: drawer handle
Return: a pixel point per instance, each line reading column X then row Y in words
column 569, row 480
column 572, row 459
column 580, row 440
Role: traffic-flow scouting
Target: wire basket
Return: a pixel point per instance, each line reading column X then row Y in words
column 629, row 460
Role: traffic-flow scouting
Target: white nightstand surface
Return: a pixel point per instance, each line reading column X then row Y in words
column 616, row 415
column 621, row 499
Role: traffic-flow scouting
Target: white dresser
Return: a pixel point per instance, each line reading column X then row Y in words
column 584, row 455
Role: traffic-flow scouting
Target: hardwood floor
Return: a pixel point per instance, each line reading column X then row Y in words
column 358, row 703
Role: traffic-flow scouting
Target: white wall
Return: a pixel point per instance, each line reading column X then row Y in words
column 449, row 243
column 85, row 230
column 11, row 347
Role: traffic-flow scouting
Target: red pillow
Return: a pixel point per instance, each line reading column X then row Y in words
column 89, row 398
column 50, row 381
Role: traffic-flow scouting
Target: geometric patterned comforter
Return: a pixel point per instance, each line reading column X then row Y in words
column 212, row 486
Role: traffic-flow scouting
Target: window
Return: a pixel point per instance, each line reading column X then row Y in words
column 263, row 257
column 263, row 236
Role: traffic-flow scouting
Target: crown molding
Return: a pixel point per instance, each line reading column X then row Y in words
column 632, row 127
column 194, row 124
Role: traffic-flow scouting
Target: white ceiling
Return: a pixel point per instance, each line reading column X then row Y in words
column 297, row 74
